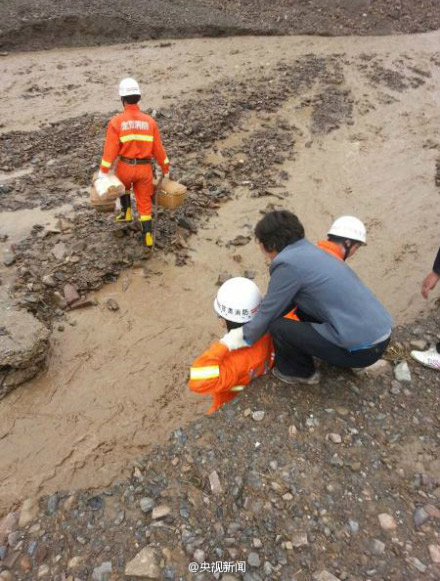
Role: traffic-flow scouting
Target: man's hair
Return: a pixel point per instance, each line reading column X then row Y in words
column 232, row 324
column 278, row 229
column 341, row 239
column 131, row 99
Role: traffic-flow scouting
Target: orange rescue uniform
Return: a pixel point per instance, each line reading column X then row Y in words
column 332, row 248
column 134, row 135
column 223, row 374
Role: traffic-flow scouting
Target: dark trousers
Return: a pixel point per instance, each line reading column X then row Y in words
column 296, row 343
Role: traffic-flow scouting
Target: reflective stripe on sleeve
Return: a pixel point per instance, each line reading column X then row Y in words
column 237, row 388
column 136, row 137
column 204, row 372
column 105, row 163
column 166, row 160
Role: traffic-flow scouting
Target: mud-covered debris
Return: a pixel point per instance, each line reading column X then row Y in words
column 112, row 305
column 250, row 274
column 223, row 277
column 82, row 304
column 240, row 240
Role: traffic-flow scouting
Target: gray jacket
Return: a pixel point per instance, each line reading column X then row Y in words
column 328, row 290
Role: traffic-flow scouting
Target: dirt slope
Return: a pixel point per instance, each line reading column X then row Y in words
column 34, row 24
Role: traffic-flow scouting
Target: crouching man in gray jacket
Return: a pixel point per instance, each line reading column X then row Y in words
column 340, row 319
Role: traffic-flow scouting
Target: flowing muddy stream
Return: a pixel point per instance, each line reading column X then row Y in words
column 115, row 382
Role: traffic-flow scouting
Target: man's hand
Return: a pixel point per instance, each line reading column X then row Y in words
column 101, row 174
column 429, row 283
column 166, row 175
column 234, row 339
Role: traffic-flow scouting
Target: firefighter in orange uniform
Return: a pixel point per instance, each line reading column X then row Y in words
column 135, row 138
column 346, row 235
column 222, row 373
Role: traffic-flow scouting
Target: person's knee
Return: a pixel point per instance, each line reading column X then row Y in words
column 276, row 327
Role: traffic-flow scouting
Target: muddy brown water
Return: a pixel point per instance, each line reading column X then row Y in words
column 116, row 381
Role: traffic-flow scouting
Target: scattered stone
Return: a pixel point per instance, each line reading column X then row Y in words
column 8, row 525
column 214, row 482
column 29, row 512
column 146, row 504
column 257, row 543
column 381, row 367
column 6, row 576
column 293, row 431
column 254, row 559
column 387, row 522
column 414, row 562
column 160, row 511
column 59, row 250
column 335, row 438
column 101, row 573
column 432, row 511
column 95, row 502
column 418, row 344
column 144, row 564
column 377, row 547
column 52, row 504
column 112, row 305
column 258, row 416
column 300, row 540
column 199, row 555
column 40, row 554
column 434, row 553
column 25, row 563
column 354, row 526
column 325, row 576
column 71, row 295
column 43, row 571
column 70, row 503
column 9, row 259
column 75, row 562
column 49, row 280
column 187, row 224
column 420, row 516
column 402, row 372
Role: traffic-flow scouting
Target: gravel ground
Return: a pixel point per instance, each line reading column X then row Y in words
column 36, row 24
column 337, row 481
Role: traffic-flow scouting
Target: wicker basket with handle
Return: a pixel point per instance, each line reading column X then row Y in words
column 171, row 194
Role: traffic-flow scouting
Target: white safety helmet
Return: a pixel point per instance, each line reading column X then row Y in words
column 349, row 227
column 128, row 87
column 237, row 300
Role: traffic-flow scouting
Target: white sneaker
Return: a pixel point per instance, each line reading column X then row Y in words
column 429, row 358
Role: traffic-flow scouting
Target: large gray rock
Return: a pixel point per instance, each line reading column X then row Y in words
column 145, row 564
column 23, row 345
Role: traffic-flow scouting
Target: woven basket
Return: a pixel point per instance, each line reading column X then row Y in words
column 171, row 194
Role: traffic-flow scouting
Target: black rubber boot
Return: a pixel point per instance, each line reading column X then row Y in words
column 125, row 215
